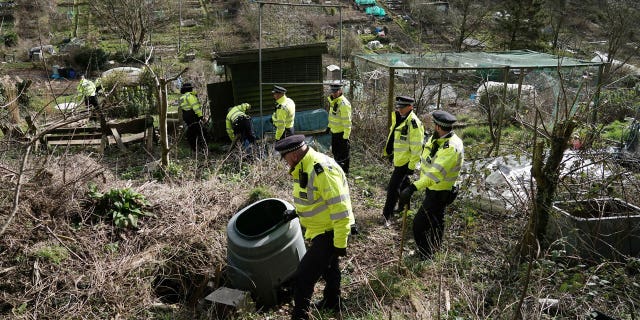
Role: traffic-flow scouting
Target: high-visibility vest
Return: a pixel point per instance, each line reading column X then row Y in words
column 284, row 115
column 233, row 115
column 86, row 88
column 408, row 138
column 340, row 116
column 441, row 162
column 321, row 197
column 189, row 101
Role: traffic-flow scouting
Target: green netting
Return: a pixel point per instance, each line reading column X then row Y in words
column 474, row 60
column 365, row 2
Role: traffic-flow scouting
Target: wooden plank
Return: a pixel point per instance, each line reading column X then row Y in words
column 133, row 137
column 136, row 125
column 79, row 136
column 74, row 130
column 75, row 142
column 116, row 136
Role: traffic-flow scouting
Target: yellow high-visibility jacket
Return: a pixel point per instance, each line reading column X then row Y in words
column 408, row 138
column 441, row 170
column 284, row 115
column 189, row 101
column 323, row 204
column 86, row 88
column 233, row 114
column 340, row 116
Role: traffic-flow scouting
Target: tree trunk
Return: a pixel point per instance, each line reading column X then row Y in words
column 76, row 14
column 164, row 136
column 546, row 173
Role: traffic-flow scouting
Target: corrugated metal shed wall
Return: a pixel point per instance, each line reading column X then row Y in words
column 293, row 64
column 301, row 69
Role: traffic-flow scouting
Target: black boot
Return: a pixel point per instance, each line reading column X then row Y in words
column 324, row 304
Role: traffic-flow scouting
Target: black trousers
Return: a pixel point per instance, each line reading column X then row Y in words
column 91, row 101
column 428, row 224
column 243, row 128
column 340, row 148
column 399, row 180
column 319, row 261
column 195, row 134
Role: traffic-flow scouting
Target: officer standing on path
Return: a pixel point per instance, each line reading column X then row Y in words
column 404, row 145
column 340, row 126
column 238, row 122
column 87, row 92
column 441, row 161
column 192, row 115
column 284, row 114
column 322, row 201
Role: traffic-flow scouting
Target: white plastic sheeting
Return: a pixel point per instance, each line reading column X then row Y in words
column 506, row 182
column 130, row 74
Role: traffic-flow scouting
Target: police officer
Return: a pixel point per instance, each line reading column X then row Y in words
column 238, row 122
column 192, row 115
column 284, row 114
column 323, row 204
column 404, row 145
column 441, row 161
column 87, row 92
column 339, row 126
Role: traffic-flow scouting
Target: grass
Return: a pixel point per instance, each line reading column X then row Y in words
column 53, row 254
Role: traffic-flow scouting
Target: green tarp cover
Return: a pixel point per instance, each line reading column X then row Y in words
column 473, row 60
column 375, row 10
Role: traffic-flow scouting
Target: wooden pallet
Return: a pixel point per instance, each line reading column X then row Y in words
column 119, row 133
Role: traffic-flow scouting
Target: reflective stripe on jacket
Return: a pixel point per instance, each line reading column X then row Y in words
column 441, row 171
column 189, row 101
column 233, row 115
column 408, row 137
column 284, row 115
column 340, row 116
column 324, row 203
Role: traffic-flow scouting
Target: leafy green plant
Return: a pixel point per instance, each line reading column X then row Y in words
column 10, row 39
column 123, row 206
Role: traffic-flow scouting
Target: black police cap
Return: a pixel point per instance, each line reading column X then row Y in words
column 404, row 101
column 443, row 118
column 290, row 143
column 278, row 89
column 335, row 87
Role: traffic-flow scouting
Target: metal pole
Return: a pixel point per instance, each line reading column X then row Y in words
column 260, row 64
column 340, row 65
column 180, row 27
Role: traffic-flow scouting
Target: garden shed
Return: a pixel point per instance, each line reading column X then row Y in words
column 517, row 66
column 298, row 68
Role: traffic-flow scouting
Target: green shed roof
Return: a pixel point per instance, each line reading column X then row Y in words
column 516, row 59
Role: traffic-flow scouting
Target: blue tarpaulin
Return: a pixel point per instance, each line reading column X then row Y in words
column 309, row 120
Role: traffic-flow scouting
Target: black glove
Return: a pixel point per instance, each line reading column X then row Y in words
column 340, row 252
column 405, row 195
column 409, row 172
column 327, row 130
column 289, row 215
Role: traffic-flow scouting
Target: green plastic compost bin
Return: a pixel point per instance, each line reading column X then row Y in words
column 263, row 251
